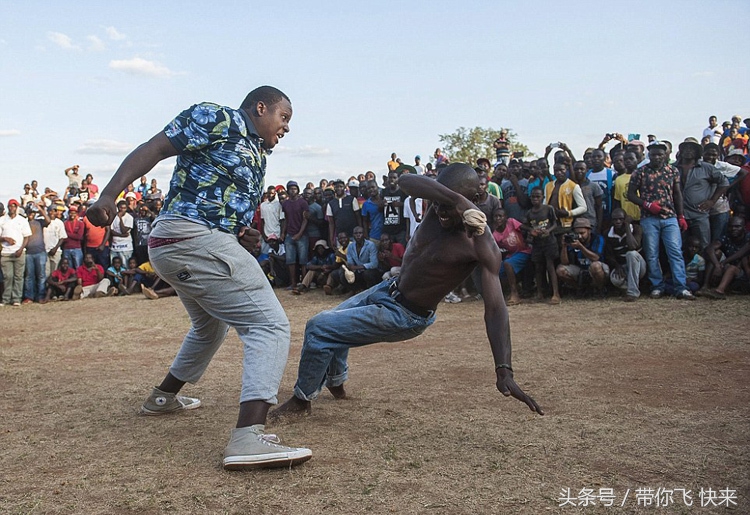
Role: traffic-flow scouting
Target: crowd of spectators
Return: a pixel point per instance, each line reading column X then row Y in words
column 629, row 216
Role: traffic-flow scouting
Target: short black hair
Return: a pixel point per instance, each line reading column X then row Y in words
column 266, row 94
column 460, row 178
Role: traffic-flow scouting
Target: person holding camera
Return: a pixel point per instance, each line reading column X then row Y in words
column 580, row 260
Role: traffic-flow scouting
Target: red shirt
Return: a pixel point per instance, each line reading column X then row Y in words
column 397, row 254
column 60, row 276
column 511, row 238
column 89, row 277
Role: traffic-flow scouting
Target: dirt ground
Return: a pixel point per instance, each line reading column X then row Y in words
column 653, row 394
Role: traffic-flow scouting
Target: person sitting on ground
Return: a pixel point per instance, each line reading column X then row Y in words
column 61, row 282
column 516, row 253
column 361, row 270
column 114, row 274
column 390, row 256
column 91, row 280
column 405, row 306
column 138, row 276
column 735, row 247
column 336, row 277
column 319, row 268
column 695, row 265
column 541, row 221
column 622, row 253
column 580, row 260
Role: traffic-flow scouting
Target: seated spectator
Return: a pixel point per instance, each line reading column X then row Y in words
column 390, row 255
column 91, row 280
column 114, row 274
column 580, row 260
column 319, row 268
column 516, row 253
column 361, row 269
column 735, row 248
column 541, row 221
column 336, row 277
column 61, row 282
column 158, row 290
column 622, row 253
column 128, row 275
column 695, row 265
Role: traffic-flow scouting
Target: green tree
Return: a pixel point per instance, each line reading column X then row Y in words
column 467, row 145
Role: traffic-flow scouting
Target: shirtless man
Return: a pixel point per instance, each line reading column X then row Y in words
column 450, row 243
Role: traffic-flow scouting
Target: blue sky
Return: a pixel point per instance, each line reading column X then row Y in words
column 86, row 82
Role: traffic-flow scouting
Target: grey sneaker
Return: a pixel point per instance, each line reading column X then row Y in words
column 250, row 447
column 161, row 403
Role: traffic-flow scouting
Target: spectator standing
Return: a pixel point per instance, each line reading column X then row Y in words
column 502, row 148
column 605, row 178
column 541, row 222
column 394, row 222
column 154, row 193
column 36, row 256
column 96, row 242
column 343, row 212
column 316, row 223
column 14, row 236
column 487, row 204
column 372, row 213
column 393, row 163
column 74, row 180
column 718, row 217
column 418, row 165
column 142, row 188
column 713, row 131
column 72, row 246
column 122, row 240
column 565, row 197
column 142, row 226
column 271, row 215
column 656, row 189
column 620, row 196
column 54, row 237
column 702, row 185
column 293, row 225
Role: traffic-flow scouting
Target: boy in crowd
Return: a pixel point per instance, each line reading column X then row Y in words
column 562, row 195
column 114, row 274
column 319, row 268
column 402, row 308
column 695, row 265
column 61, row 282
column 390, row 256
column 541, row 222
column 622, row 253
column 735, row 247
column 580, row 260
column 516, row 253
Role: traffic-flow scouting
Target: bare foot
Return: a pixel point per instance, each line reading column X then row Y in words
column 514, row 300
column 294, row 407
column 555, row 300
column 337, row 391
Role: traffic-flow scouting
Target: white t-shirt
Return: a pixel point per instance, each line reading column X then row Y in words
column 122, row 243
column 408, row 213
column 272, row 215
column 53, row 233
column 715, row 138
column 16, row 228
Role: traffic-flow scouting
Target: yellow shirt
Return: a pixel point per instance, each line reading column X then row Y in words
column 392, row 165
column 621, row 195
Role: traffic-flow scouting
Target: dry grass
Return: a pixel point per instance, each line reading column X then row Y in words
column 652, row 394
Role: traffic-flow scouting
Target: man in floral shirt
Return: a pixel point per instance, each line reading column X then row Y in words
column 201, row 243
column 662, row 219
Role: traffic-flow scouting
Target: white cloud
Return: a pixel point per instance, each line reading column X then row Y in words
column 9, row 132
column 62, row 40
column 104, row 146
column 138, row 66
column 304, row 151
column 114, row 34
column 96, row 44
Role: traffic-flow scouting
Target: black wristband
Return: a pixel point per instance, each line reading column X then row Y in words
column 503, row 365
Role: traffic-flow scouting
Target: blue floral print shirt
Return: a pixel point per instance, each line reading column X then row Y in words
column 218, row 178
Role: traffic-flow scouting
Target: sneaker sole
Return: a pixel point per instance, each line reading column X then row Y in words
column 150, row 413
column 271, row 460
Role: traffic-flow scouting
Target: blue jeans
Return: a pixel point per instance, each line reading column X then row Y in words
column 370, row 317
column 666, row 231
column 718, row 223
column 295, row 251
column 222, row 285
column 33, row 284
column 74, row 257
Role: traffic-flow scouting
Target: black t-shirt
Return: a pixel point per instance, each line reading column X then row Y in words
column 393, row 216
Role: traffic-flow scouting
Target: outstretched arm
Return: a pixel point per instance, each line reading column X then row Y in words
column 138, row 163
column 497, row 323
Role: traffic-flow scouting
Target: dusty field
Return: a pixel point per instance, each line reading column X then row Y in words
column 647, row 395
